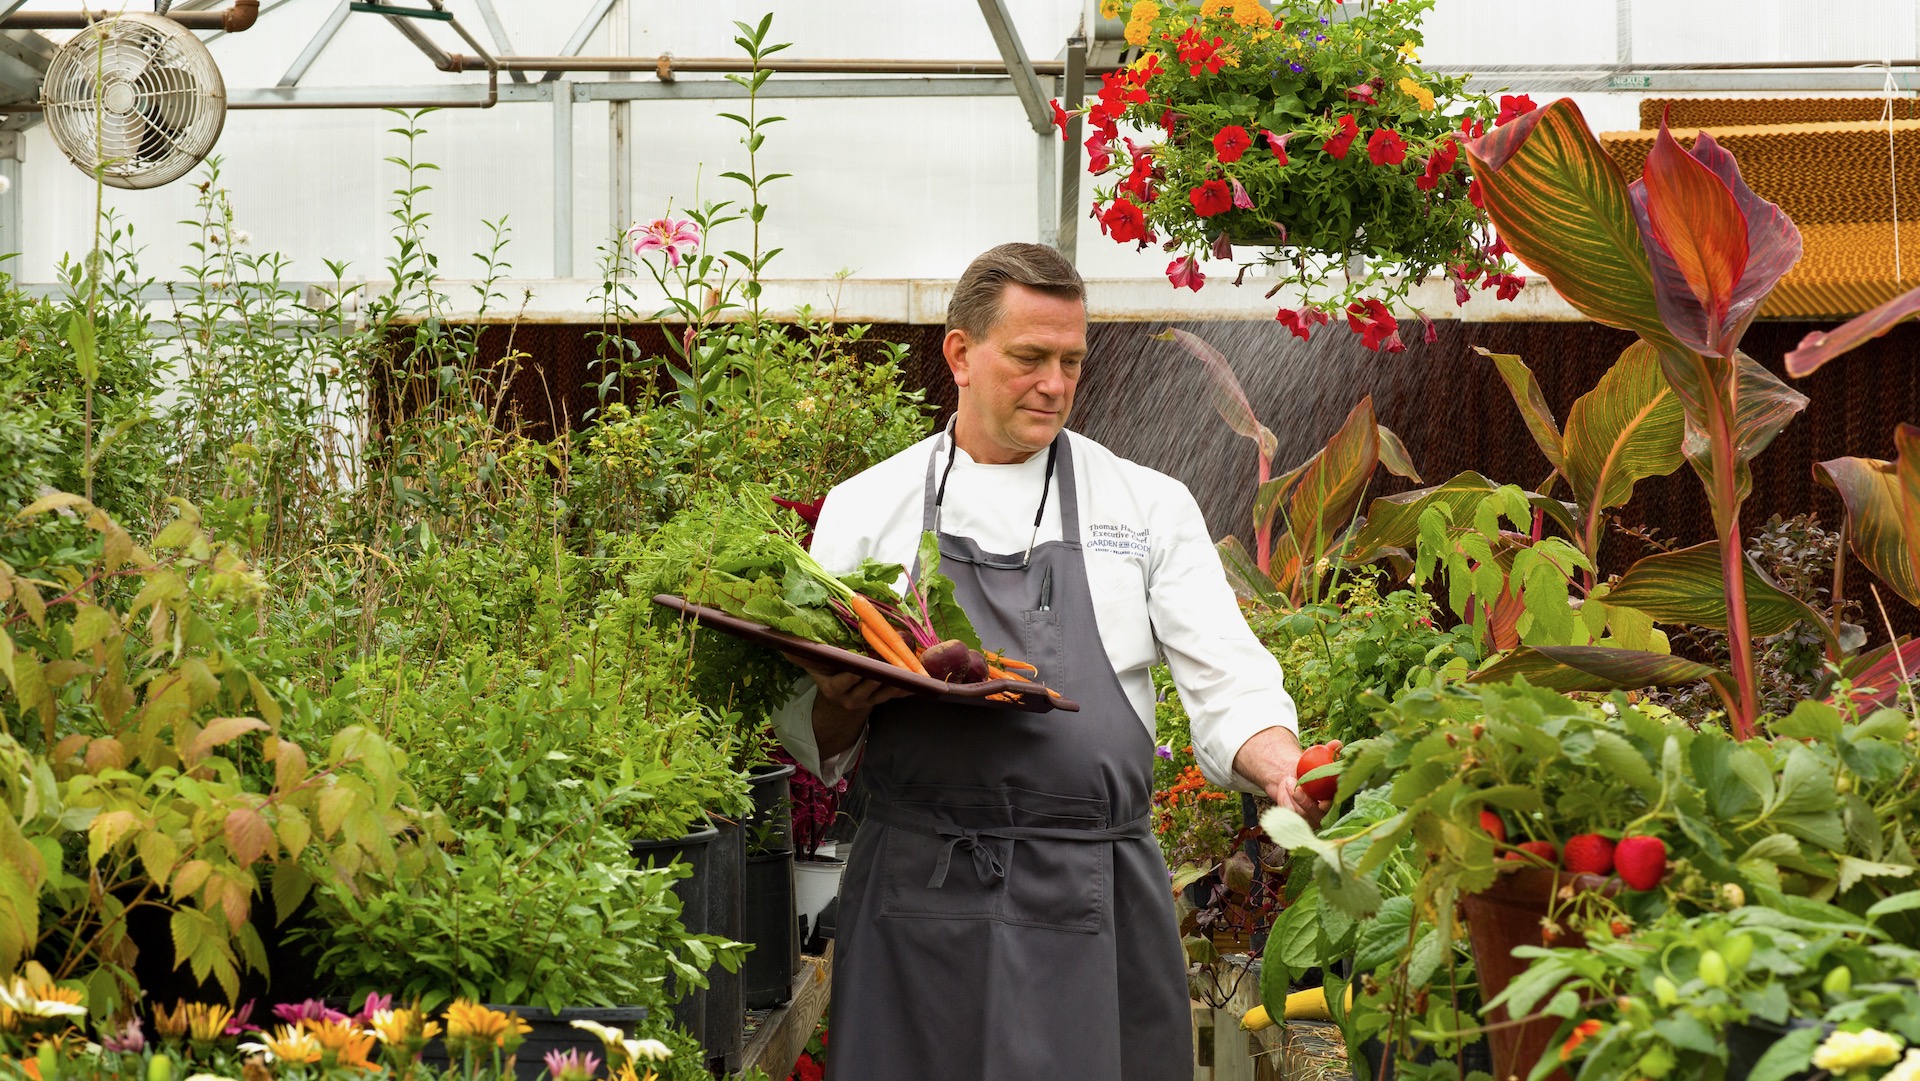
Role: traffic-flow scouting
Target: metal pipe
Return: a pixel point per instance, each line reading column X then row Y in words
column 666, row 65
column 236, row 17
column 1066, row 235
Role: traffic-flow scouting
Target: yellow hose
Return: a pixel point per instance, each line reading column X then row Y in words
column 1308, row 1005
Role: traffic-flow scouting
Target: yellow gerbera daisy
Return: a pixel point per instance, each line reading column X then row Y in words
column 341, row 1044
column 471, row 1025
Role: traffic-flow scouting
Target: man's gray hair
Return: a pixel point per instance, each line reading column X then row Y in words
column 975, row 306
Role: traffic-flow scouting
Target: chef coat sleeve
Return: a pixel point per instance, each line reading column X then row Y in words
column 1229, row 683
column 837, row 546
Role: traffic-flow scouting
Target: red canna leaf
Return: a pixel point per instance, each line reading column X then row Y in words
column 1773, row 241
column 1823, row 345
column 1223, row 387
column 1696, row 238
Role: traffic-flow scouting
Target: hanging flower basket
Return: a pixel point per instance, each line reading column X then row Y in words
column 1308, row 133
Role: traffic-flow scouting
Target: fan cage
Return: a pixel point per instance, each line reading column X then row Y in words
column 137, row 97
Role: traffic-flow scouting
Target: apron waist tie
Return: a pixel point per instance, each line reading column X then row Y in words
column 986, row 861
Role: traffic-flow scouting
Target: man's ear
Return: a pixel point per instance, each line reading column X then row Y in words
column 954, row 347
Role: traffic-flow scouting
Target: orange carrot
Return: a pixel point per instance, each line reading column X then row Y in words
column 881, row 648
column 1003, row 661
column 996, row 672
column 874, row 625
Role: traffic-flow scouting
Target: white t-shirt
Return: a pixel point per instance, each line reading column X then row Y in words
column 1158, row 587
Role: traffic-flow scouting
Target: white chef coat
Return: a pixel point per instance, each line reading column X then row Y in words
column 1158, row 586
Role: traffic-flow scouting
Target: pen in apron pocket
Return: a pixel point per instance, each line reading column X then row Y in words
column 1046, row 590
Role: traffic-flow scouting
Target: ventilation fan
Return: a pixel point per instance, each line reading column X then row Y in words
column 136, row 96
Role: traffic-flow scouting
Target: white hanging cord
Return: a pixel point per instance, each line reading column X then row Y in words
column 1893, row 180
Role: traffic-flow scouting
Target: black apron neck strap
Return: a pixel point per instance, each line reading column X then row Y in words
column 1059, row 463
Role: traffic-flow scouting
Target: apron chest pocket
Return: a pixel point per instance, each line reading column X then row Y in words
column 1048, row 883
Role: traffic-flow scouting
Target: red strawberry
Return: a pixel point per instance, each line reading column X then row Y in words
column 1588, row 854
column 1490, row 821
column 1641, row 861
column 1544, row 851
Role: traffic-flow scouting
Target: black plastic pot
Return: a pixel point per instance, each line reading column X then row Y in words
column 691, row 849
column 1748, row 1040
column 551, row 1032
column 770, row 825
column 768, row 921
column 726, row 1012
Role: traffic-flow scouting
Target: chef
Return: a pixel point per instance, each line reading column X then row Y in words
column 1006, row 915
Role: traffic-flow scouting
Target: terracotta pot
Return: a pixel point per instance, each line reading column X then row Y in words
column 1499, row 918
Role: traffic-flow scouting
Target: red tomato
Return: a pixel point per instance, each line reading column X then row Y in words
column 1323, row 788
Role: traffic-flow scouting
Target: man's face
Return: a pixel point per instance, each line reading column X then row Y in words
column 1016, row 382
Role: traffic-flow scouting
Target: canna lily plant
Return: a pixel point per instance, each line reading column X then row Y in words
column 1316, row 501
column 1683, row 257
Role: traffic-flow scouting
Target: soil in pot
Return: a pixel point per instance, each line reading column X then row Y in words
column 692, row 849
column 1499, row 918
column 551, row 1032
column 767, row 921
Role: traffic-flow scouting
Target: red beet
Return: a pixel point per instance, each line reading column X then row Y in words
column 951, row 661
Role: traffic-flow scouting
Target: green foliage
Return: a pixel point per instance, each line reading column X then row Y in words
column 1666, row 998
column 144, row 764
column 1341, row 656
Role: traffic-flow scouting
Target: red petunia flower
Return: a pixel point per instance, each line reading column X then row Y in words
column 1439, row 164
column 1241, row 200
column 1232, row 142
column 1363, row 92
column 1370, row 319
column 1386, row 147
column 1277, row 144
column 1210, row 198
column 1303, row 321
column 1430, row 334
column 1471, row 127
column 1059, row 118
column 1506, row 286
column 1513, row 107
column 1460, row 294
column 1339, row 144
column 1475, row 195
column 1099, row 159
column 1184, row 272
column 1497, row 250
column 1166, row 120
column 1125, row 222
column 809, row 512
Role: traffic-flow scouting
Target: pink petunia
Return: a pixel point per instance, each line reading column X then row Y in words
column 665, row 234
column 1184, row 273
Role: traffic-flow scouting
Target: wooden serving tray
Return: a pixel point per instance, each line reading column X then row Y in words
column 1031, row 697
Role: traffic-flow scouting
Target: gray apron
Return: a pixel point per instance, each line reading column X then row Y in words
column 1006, row 915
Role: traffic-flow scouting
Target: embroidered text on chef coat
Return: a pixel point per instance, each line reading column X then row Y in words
column 1118, row 540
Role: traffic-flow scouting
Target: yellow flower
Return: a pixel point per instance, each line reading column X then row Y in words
column 1407, row 50
column 1908, row 1070
column 26, row 1000
column 407, row 1029
column 473, row 1026
column 341, row 1044
column 1250, row 13
column 1417, row 92
column 171, row 1024
column 207, row 1022
column 1844, row 1051
column 1210, row 8
column 290, row 1044
column 1109, row 9
column 1144, row 12
column 1138, row 32
column 628, row 1073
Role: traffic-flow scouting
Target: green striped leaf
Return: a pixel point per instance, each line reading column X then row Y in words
column 1562, row 205
column 1876, row 529
column 1595, row 668
column 1328, row 494
column 1393, row 521
column 1687, row 587
column 1623, row 430
column 1533, row 404
column 1764, row 407
column 1906, row 471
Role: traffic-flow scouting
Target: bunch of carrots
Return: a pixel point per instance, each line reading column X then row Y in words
column 880, row 625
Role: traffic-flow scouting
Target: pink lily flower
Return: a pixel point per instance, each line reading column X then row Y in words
column 665, row 234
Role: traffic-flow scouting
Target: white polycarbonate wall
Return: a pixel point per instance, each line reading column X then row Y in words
column 886, row 188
